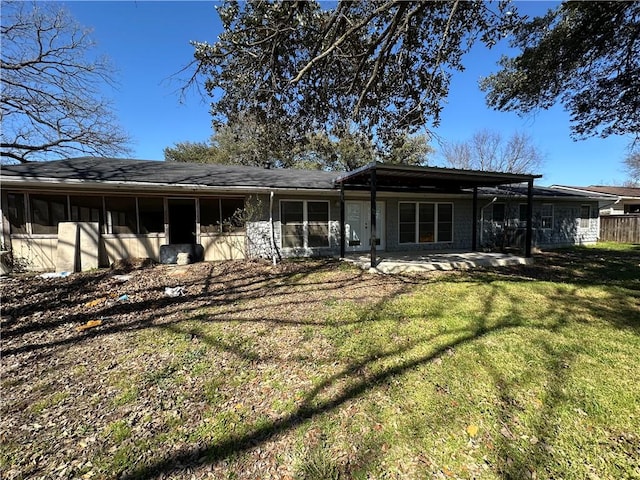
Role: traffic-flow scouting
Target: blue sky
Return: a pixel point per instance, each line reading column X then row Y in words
column 148, row 42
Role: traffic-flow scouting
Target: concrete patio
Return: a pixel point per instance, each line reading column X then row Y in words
column 415, row 262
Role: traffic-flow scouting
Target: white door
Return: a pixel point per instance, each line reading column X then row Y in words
column 358, row 226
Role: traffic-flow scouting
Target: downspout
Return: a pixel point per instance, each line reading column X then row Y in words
column 495, row 199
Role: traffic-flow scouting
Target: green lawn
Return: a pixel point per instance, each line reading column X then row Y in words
column 325, row 372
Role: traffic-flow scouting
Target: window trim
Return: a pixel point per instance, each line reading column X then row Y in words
column 436, row 233
column 305, row 223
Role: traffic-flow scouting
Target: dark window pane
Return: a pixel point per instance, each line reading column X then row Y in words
column 407, row 233
column 318, row 234
column 407, row 213
column 318, row 224
column 445, row 222
column 151, row 211
column 318, row 211
column 47, row 211
column 426, row 227
column 292, row 212
column 17, row 217
column 498, row 212
column 292, row 221
column 407, row 224
column 522, row 212
column 122, row 213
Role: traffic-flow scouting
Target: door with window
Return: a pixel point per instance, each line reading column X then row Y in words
column 358, row 226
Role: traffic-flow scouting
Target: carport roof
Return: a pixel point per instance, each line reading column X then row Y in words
column 412, row 178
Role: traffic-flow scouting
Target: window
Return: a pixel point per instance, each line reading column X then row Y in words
column 585, row 216
column 522, row 215
column 151, row 212
column 304, row 224
column 46, row 212
column 425, row 222
column 632, row 208
column 121, row 214
column 17, row 213
column 221, row 214
column 498, row 212
column 546, row 216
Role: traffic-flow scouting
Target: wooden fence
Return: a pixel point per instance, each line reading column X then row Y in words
column 620, row 228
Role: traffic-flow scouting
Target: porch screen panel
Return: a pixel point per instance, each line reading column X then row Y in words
column 210, row 221
column 427, row 225
column 17, row 213
column 122, row 214
column 292, row 221
column 318, row 224
column 445, row 222
column 232, row 213
column 407, row 223
column 151, row 211
column 87, row 209
column 47, row 211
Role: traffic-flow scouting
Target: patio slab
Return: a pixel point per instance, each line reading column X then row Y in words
column 415, row 262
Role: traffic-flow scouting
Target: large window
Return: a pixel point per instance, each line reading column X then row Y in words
column 304, row 223
column 585, row 216
column 425, row 222
column 46, row 212
column 221, row 214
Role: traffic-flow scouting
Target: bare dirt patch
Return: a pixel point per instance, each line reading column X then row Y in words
column 76, row 402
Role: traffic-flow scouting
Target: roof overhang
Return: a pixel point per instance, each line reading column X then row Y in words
column 425, row 179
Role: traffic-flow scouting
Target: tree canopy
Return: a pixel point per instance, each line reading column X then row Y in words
column 585, row 55
column 490, row 151
column 347, row 149
column 51, row 101
column 383, row 66
column 632, row 166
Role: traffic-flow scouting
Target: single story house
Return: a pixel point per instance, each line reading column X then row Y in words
column 110, row 209
column 616, row 200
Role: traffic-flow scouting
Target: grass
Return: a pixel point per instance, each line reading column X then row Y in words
column 530, row 372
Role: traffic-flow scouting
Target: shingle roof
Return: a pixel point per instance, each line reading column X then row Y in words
column 618, row 191
column 113, row 170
